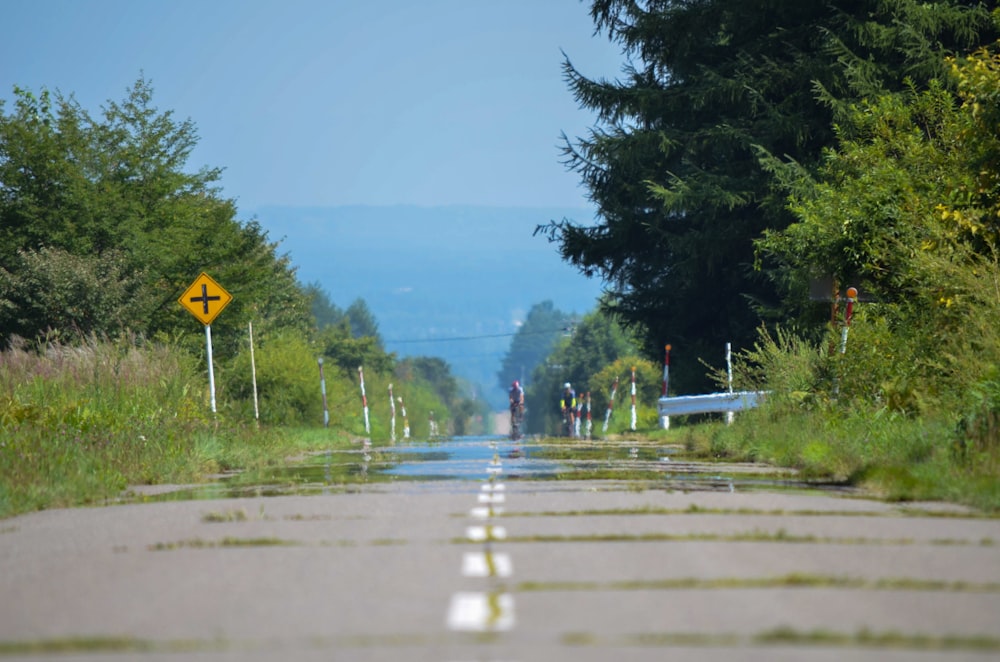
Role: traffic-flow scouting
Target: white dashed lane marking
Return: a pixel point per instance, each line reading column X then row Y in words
column 486, row 564
column 481, row 612
column 482, row 533
column 485, row 512
column 491, row 611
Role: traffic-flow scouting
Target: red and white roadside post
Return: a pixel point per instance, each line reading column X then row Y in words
column 578, row 418
column 730, row 416
column 611, row 404
column 406, row 421
column 665, row 420
column 364, row 400
column 392, row 421
column 633, row 400
column 322, row 390
column 852, row 296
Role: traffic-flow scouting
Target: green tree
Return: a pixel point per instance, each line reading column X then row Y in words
column 435, row 372
column 349, row 353
column 673, row 163
column 596, row 341
column 72, row 296
column 117, row 185
column 469, row 416
column 325, row 311
column 287, row 382
column 44, row 184
column 648, row 387
column 906, row 207
column 362, row 321
column 534, row 340
column 901, row 157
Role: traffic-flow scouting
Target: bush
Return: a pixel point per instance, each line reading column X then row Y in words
column 288, row 381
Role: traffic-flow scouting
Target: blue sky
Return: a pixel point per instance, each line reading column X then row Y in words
column 322, row 103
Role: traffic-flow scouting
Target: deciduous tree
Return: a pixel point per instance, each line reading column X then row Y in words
column 595, row 342
column 535, row 338
column 117, row 189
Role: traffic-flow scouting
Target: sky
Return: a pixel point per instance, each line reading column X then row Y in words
column 336, row 102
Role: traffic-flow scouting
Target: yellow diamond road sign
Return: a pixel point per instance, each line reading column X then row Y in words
column 205, row 298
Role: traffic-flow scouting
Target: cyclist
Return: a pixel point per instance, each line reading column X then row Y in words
column 516, row 397
column 568, row 405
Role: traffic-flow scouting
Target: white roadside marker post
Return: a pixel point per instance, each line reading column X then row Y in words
column 392, row 421
column 611, row 404
column 364, row 400
column 322, row 389
column 633, row 400
column 665, row 420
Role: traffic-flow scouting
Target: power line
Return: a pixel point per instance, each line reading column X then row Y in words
column 455, row 338
column 482, row 337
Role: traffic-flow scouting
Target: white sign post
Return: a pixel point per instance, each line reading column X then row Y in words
column 205, row 299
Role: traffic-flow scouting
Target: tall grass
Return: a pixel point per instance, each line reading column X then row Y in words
column 80, row 423
column 889, row 455
column 910, row 410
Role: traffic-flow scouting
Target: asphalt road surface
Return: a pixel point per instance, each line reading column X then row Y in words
column 498, row 567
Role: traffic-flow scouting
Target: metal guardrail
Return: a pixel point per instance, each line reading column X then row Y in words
column 709, row 403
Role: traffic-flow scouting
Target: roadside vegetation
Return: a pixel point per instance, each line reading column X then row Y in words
column 103, row 375
column 82, row 422
column 815, row 163
column 733, row 168
column 906, row 400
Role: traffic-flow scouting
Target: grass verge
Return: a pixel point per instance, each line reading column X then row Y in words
column 897, row 458
column 80, row 424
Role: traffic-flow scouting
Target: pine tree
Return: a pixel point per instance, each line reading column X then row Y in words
column 673, row 164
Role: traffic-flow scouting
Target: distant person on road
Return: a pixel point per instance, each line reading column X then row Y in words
column 516, row 398
column 568, row 405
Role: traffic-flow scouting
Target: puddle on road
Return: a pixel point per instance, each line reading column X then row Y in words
column 465, row 458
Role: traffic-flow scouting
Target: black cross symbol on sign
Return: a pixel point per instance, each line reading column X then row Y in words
column 204, row 298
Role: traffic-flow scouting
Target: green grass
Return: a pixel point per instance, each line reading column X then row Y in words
column 695, row 509
column 863, row 639
column 233, row 515
column 893, row 457
column 794, row 580
column 79, row 645
column 228, row 541
column 80, row 424
column 869, row 639
column 779, row 536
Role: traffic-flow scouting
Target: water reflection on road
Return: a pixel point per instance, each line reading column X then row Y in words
column 643, row 465
column 464, row 458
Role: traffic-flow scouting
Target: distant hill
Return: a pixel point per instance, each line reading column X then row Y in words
column 433, row 274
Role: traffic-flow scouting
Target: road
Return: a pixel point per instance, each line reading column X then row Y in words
column 499, row 568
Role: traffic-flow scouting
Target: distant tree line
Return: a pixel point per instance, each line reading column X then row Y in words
column 552, row 348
